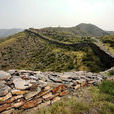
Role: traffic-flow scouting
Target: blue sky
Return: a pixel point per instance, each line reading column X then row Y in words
column 45, row 13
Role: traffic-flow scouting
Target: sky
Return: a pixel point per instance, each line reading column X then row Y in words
column 49, row 13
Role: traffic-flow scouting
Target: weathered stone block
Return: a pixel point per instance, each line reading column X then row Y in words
column 32, row 103
column 4, row 75
column 9, row 95
column 5, row 107
column 59, row 89
column 18, row 92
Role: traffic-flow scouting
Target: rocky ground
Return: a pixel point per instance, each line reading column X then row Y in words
column 24, row 89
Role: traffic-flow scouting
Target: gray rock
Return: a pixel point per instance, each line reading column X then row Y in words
column 42, row 84
column 55, row 79
column 2, row 82
column 41, row 76
column 4, row 75
column 104, row 77
column 12, row 71
column 4, row 89
column 32, row 94
column 67, row 80
column 75, row 78
column 95, row 83
column 33, row 77
column 21, row 84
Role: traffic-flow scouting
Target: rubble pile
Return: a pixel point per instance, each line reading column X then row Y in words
column 23, row 89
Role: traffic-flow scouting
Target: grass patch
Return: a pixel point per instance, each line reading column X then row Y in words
column 66, row 106
column 110, row 73
column 107, row 87
column 103, row 97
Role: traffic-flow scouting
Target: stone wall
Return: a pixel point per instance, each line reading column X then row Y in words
column 23, row 89
column 104, row 57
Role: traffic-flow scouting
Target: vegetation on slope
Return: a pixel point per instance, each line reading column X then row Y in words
column 74, row 34
column 108, row 41
column 107, row 87
column 27, row 51
column 63, row 36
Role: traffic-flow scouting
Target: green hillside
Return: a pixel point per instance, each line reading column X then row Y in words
column 108, row 42
column 91, row 30
column 27, row 50
column 74, row 33
column 63, row 35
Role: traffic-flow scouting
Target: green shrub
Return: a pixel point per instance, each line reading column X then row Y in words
column 110, row 73
column 107, row 87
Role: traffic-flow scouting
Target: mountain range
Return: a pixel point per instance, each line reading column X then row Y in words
column 82, row 29
column 8, row 32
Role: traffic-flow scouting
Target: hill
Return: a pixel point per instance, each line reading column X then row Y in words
column 81, row 30
column 32, row 50
column 8, row 32
column 91, row 29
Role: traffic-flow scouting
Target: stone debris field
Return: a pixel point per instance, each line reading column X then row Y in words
column 24, row 89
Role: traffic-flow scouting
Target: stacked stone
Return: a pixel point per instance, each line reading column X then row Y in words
column 23, row 89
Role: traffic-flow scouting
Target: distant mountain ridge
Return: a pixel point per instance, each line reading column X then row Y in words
column 82, row 29
column 8, row 32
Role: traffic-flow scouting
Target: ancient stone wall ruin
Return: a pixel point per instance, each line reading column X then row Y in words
column 22, row 89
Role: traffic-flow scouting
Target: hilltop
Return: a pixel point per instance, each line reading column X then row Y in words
column 91, row 30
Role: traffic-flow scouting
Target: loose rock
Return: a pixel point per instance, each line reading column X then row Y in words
column 9, row 95
column 4, row 75
column 4, row 89
column 18, row 92
column 21, row 84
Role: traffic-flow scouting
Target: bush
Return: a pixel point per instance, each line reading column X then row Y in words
column 107, row 87
column 110, row 73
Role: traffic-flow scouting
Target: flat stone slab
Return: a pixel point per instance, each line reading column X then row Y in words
column 18, row 92
column 32, row 94
column 55, row 79
column 9, row 95
column 4, row 75
column 21, row 84
column 4, row 89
